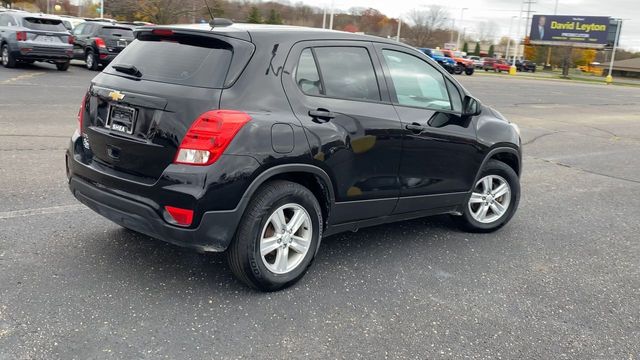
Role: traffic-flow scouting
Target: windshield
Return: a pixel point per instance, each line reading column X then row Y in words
column 192, row 61
column 44, row 24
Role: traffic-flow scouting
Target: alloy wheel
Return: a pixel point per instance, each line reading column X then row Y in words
column 286, row 238
column 490, row 199
column 5, row 55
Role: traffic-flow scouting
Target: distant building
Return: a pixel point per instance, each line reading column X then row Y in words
column 625, row 68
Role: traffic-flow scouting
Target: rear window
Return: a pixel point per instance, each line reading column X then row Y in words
column 44, row 24
column 183, row 60
column 117, row 32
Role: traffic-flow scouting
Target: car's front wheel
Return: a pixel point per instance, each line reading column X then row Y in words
column 493, row 201
column 277, row 237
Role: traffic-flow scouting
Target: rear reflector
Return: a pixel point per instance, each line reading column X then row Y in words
column 81, row 112
column 209, row 136
column 182, row 217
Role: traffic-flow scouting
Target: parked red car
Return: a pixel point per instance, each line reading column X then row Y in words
column 500, row 66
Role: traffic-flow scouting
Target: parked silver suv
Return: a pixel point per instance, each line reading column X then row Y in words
column 29, row 37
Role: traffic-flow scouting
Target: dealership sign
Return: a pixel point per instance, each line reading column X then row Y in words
column 579, row 31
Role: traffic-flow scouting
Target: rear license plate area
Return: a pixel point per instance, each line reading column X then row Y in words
column 121, row 119
column 121, row 43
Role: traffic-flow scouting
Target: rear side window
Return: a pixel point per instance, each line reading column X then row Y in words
column 183, row 60
column 348, row 73
column 43, row 24
column 116, row 32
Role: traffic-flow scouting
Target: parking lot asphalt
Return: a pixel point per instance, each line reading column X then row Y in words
column 562, row 280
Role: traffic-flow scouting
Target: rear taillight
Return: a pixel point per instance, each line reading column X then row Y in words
column 209, row 136
column 100, row 43
column 81, row 113
column 71, row 39
column 21, row 36
column 182, row 217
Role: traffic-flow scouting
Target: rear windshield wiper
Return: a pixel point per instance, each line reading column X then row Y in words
column 127, row 69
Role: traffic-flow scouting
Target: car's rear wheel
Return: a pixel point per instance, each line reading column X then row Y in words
column 91, row 61
column 63, row 66
column 277, row 237
column 493, row 201
column 8, row 60
column 469, row 71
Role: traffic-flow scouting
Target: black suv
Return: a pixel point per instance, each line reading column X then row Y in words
column 98, row 43
column 261, row 140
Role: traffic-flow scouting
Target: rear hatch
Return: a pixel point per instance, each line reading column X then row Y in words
column 116, row 38
column 46, row 32
column 144, row 102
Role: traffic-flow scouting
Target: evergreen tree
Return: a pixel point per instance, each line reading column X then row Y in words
column 254, row 16
column 274, row 18
column 465, row 48
column 476, row 51
column 491, row 51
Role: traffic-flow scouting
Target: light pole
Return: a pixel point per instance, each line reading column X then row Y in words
column 513, row 70
column 460, row 24
column 331, row 17
column 506, row 55
column 555, row 12
column 609, row 78
column 101, row 9
column 399, row 27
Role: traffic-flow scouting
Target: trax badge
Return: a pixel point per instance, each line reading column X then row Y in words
column 116, row 95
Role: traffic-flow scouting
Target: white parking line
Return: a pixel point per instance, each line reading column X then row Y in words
column 41, row 211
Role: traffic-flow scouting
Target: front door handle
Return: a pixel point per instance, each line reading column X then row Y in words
column 323, row 115
column 415, row 127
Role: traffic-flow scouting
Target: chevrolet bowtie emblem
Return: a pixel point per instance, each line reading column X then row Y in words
column 116, row 95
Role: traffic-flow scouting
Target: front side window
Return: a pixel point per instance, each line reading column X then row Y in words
column 416, row 83
column 78, row 29
column 348, row 73
column 307, row 76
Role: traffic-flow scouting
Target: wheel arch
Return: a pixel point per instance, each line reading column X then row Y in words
column 507, row 155
column 312, row 177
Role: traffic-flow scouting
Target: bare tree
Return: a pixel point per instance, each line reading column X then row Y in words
column 487, row 30
column 426, row 22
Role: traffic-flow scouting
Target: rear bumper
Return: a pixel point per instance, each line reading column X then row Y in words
column 214, row 233
column 36, row 52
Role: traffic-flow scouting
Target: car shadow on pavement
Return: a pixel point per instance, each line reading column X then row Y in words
column 143, row 262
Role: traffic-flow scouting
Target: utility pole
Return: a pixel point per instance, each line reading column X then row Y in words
column 399, row 26
column 609, row 78
column 101, row 9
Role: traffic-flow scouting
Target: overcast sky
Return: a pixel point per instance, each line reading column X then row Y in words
column 501, row 11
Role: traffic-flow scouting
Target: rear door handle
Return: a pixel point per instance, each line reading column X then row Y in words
column 415, row 127
column 322, row 114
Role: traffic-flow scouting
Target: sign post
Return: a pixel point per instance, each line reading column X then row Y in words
column 609, row 78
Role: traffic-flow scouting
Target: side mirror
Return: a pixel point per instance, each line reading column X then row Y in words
column 470, row 106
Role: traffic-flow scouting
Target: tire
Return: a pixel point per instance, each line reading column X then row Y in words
column 64, row 66
column 500, row 173
column 8, row 60
column 458, row 70
column 245, row 253
column 91, row 61
column 469, row 71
